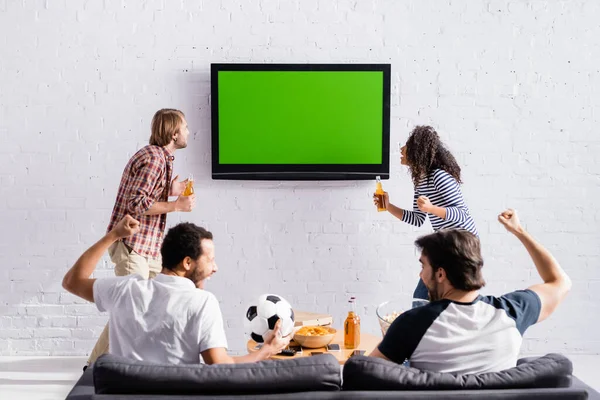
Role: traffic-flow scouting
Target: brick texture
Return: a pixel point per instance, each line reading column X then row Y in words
column 510, row 85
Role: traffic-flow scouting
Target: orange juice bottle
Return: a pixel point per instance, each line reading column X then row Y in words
column 380, row 195
column 352, row 327
column 189, row 187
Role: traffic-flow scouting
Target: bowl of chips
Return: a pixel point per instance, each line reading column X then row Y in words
column 314, row 337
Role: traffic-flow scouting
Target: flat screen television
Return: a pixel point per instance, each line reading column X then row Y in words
column 300, row 121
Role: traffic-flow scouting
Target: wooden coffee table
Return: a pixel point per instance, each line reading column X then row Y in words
column 367, row 343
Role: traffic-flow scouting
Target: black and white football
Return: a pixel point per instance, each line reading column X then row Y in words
column 262, row 315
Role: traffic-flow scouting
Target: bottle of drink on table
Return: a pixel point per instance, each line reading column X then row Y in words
column 352, row 327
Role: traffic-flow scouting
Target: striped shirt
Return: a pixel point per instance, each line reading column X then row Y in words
column 146, row 180
column 443, row 191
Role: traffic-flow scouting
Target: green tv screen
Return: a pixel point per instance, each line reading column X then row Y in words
column 304, row 121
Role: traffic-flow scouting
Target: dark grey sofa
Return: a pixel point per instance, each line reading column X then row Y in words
column 319, row 377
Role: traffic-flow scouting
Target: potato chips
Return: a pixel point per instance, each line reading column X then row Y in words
column 313, row 331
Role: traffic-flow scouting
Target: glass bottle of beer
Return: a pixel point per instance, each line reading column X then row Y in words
column 352, row 327
column 379, row 192
column 189, row 186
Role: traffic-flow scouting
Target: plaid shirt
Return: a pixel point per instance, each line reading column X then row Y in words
column 146, row 180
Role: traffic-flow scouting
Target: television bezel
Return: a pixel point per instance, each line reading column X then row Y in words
column 302, row 172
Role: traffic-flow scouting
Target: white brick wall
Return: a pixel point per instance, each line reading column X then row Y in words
column 512, row 86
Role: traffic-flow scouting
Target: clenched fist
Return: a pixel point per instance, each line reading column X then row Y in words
column 126, row 227
column 424, row 204
column 510, row 220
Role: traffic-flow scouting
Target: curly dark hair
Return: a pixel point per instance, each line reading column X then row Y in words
column 425, row 152
column 181, row 241
column 459, row 253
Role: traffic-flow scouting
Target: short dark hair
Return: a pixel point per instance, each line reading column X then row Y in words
column 457, row 251
column 181, row 241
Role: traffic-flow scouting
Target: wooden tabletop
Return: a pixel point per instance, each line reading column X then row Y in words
column 367, row 343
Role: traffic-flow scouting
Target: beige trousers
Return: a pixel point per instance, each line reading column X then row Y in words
column 127, row 262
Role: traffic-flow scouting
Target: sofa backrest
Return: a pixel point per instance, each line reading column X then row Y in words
column 118, row 375
column 367, row 373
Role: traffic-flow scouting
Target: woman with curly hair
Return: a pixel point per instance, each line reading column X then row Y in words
column 436, row 177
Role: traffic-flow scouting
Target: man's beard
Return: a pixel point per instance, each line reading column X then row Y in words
column 433, row 296
column 197, row 277
column 179, row 144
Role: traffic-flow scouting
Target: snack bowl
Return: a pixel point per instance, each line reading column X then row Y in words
column 314, row 337
column 389, row 310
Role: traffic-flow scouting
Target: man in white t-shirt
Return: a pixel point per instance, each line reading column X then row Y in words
column 460, row 331
column 169, row 319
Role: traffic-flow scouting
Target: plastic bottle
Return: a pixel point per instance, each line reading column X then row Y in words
column 189, row 187
column 352, row 327
column 380, row 195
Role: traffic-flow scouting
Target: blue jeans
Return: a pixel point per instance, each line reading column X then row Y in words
column 421, row 291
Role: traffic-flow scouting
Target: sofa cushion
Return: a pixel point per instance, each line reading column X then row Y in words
column 368, row 373
column 118, row 375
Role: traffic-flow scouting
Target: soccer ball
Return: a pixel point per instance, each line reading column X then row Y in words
column 262, row 315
